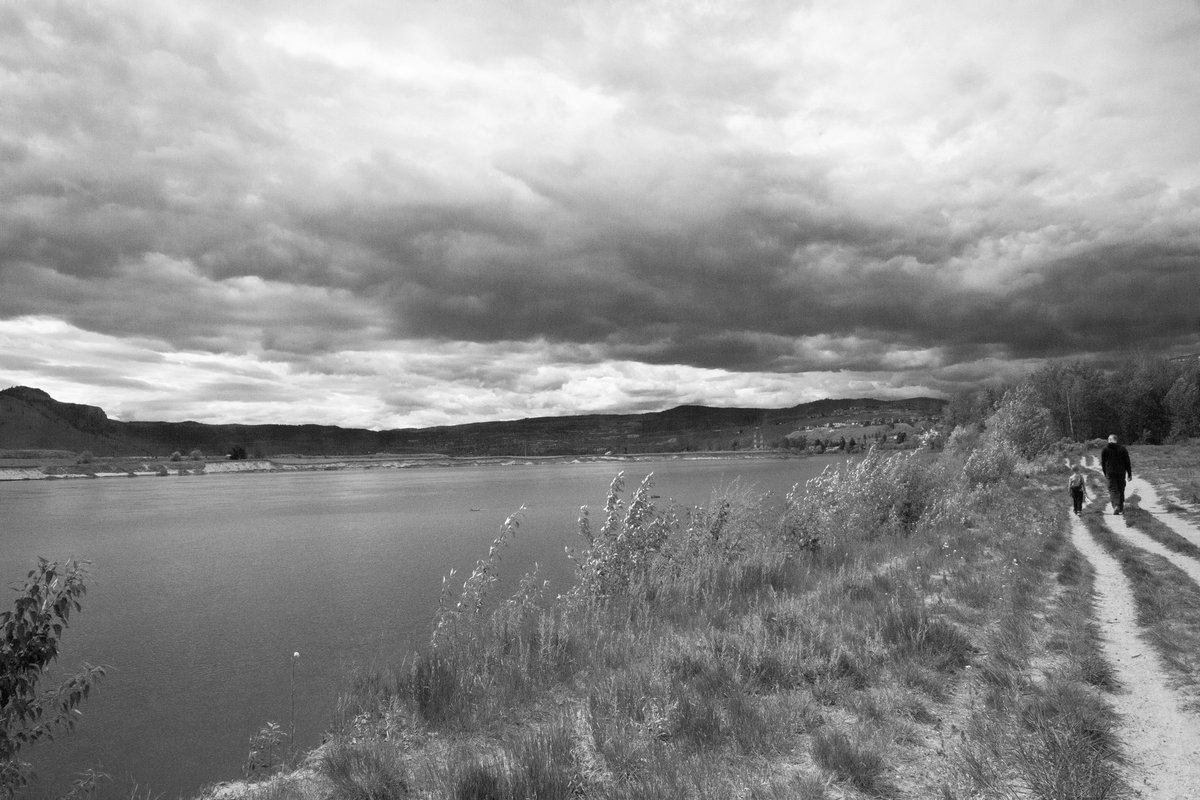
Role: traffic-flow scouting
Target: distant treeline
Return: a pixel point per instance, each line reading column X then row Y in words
column 1144, row 399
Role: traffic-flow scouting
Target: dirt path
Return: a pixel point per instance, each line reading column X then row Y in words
column 1162, row 742
column 1146, row 498
column 1140, row 494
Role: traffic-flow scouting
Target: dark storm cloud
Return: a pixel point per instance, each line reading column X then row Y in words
column 523, row 190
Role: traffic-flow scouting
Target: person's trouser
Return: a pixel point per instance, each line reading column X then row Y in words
column 1077, row 499
column 1116, row 494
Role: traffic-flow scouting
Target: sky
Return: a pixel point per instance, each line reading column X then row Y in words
column 423, row 212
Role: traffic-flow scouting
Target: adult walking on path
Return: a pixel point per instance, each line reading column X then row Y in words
column 1114, row 463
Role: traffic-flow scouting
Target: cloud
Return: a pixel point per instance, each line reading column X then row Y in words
column 547, row 197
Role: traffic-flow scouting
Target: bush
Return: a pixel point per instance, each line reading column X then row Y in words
column 176, row 456
column 1023, row 422
column 878, row 495
column 196, row 455
column 626, row 543
column 994, row 460
column 266, row 751
column 29, row 642
column 86, row 457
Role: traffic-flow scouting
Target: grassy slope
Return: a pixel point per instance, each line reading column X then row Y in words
column 911, row 629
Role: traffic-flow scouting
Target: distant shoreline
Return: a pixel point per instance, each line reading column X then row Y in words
column 152, row 467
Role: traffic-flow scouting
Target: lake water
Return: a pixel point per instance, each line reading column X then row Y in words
column 202, row 587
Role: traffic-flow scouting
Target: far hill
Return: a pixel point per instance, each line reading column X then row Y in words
column 32, row 419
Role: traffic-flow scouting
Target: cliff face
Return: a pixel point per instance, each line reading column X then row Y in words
column 30, row 418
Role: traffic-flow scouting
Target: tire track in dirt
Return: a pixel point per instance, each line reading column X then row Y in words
column 1147, row 499
column 1190, row 566
column 1162, row 742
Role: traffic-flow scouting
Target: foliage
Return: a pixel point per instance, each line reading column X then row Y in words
column 266, row 751
column 1024, row 422
column 1183, row 403
column 237, row 453
column 625, row 544
column 962, row 440
column 196, row 455
column 877, row 495
column 86, row 457
column 1142, row 399
column 466, row 612
column 31, row 632
column 176, row 456
column 971, row 406
column 994, row 459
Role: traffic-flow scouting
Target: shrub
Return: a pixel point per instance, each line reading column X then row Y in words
column 196, row 455
column 625, row 545
column 86, row 457
column 877, row 495
column 266, row 751
column 29, row 642
column 176, row 456
column 962, row 440
column 994, row 460
column 1023, row 422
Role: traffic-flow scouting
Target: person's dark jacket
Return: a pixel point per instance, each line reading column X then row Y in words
column 1114, row 462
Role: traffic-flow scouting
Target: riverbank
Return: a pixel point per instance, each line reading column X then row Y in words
column 909, row 630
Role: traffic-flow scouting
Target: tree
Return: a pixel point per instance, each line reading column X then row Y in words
column 1183, row 402
column 237, row 453
column 971, row 406
column 1142, row 385
column 1079, row 397
column 1023, row 421
column 29, row 637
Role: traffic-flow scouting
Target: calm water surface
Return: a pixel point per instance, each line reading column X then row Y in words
column 202, row 587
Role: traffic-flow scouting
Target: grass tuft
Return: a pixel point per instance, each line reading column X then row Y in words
column 850, row 760
column 363, row 771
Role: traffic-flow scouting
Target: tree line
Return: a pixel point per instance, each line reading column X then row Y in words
column 1143, row 400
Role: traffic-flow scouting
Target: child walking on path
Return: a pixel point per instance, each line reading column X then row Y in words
column 1075, row 484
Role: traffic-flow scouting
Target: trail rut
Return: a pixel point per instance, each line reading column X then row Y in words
column 1162, row 741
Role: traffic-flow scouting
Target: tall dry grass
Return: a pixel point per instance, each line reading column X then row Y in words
column 892, row 614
